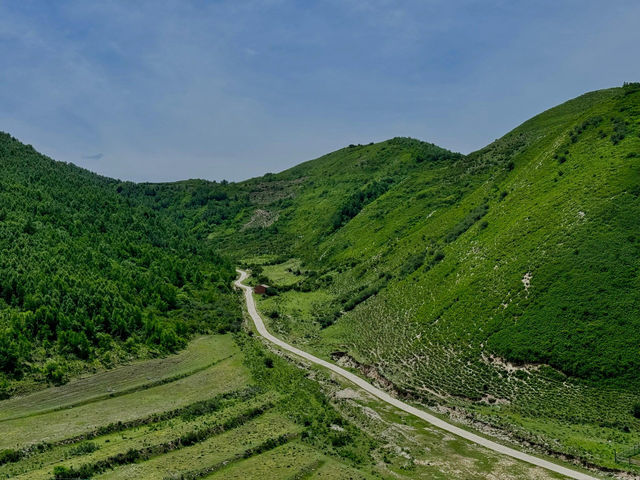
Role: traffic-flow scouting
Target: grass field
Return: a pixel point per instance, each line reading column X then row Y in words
column 295, row 314
column 287, row 461
column 212, row 453
column 62, row 424
column 201, row 353
column 156, row 435
column 284, row 274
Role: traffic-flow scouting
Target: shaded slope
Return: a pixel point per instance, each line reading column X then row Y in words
column 87, row 275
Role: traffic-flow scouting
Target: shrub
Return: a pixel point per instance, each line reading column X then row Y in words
column 9, row 456
column 55, row 372
column 462, row 226
column 68, row 473
column 360, row 297
column 438, row 256
column 327, row 320
column 356, row 202
column 84, row 448
column 619, row 130
column 412, row 263
column 631, row 87
column 636, row 410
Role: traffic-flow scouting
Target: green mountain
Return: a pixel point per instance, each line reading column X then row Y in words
column 505, row 282
column 501, row 287
column 529, row 245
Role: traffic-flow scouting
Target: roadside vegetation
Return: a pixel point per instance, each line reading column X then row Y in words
column 501, row 284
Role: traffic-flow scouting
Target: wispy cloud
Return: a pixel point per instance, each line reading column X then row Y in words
column 95, row 156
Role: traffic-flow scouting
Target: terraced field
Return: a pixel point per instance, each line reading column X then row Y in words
column 186, row 416
column 217, row 405
column 146, row 405
column 245, row 441
column 293, row 460
column 201, row 353
column 227, row 408
column 80, row 421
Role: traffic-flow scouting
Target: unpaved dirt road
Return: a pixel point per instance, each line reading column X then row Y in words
column 384, row 396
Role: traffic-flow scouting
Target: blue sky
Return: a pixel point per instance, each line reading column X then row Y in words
column 168, row 90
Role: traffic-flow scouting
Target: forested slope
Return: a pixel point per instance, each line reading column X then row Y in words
column 91, row 274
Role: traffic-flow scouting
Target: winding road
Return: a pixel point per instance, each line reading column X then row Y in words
column 385, row 397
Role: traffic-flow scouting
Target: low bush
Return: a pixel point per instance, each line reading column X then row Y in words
column 412, row 263
column 356, row 202
column 462, row 226
column 84, row 448
column 9, row 456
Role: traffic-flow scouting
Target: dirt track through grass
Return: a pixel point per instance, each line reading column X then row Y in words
column 384, row 396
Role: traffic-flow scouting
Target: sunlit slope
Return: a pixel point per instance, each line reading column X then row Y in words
column 531, row 243
column 295, row 210
column 503, row 283
column 526, row 249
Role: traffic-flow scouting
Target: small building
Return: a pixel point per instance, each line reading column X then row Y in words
column 260, row 289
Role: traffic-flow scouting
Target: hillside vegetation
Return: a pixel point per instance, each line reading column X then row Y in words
column 505, row 281
column 530, row 244
column 500, row 287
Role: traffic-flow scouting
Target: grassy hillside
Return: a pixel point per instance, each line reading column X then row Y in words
column 522, row 222
column 296, row 209
column 505, row 281
column 540, row 259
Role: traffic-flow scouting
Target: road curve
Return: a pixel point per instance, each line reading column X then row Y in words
column 384, row 396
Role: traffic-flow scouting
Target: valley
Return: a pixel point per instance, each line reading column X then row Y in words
column 493, row 293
